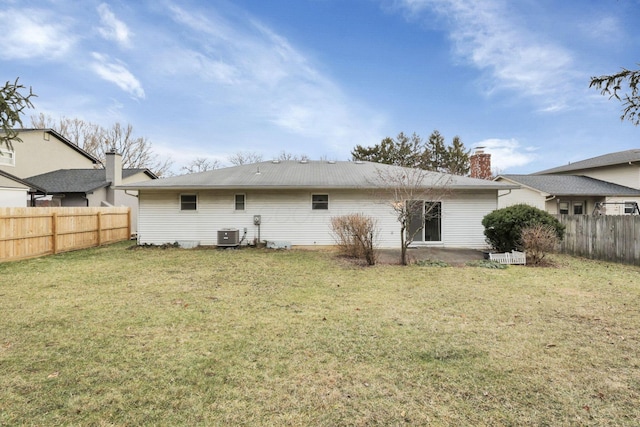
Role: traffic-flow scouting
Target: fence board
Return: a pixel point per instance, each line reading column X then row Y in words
column 33, row 232
column 606, row 237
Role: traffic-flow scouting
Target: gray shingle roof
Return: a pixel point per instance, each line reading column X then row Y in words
column 76, row 180
column 572, row 185
column 25, row 183
column 311, row 174
column 620, row 157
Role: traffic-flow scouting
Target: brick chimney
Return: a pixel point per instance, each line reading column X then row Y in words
column 480, row 164
column 113, row 170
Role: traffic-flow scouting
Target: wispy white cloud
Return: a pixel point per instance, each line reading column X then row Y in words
column 112, row 28
column 267, row 76
column 33, row 33
column 507, row 153
column 603, row 29
column 116, row 72
column 489, row 35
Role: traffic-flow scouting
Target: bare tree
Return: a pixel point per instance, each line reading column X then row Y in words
column 200, row 164
column 12, row 105
column 284, row 156
column 415, row 196
column 244, row 158
column 96, row 140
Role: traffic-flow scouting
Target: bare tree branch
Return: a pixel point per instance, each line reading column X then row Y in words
column 613, row 86
column 244, row 158
column 200, row 164
column 12, row 106
column 413, row 195
column 96, row 140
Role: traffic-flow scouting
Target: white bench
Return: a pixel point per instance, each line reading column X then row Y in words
column 513, row 257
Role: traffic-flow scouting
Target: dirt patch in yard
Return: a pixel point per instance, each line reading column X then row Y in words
column 451, row 256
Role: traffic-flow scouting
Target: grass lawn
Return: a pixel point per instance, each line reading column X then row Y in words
column 118, row 337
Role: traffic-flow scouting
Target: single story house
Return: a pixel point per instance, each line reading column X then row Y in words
column 569, row 194
column 294, row 201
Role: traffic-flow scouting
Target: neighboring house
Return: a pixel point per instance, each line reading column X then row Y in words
column 293, row 202
column 622, row 168
column 92, row 187
column 568, row 194
column 14, row 191
column 611, row 180
column 42, row 151
column 48, row 168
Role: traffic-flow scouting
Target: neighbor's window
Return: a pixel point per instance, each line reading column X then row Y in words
column 7, row 157
column 320, row 201
column 239, row 202
column 577, row 209
column 629, row 208
column 563, row 208
column 188, row 202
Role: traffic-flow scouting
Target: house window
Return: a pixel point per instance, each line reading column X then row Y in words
column 425, row 224
column 239, row 202
column 188, row 202
column 563, row 208
column 630, row 208
column 577, row 208
column 320, row 202
column 7, row 157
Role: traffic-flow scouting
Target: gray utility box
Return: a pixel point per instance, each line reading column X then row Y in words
column 228, row 237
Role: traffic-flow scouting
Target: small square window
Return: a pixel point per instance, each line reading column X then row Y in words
column 563, row 208
column 188, row 202
column 320, row 202
column 629, row 208
column 7, row 157
column 577, row 208
column 239, row 202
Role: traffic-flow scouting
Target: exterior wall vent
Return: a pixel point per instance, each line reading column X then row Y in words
column 228, row 237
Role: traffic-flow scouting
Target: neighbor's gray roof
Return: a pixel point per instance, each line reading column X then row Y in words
column 310, row 174
column 25, row 183
column 571, row 185
column 620, row 157
column 76, row 180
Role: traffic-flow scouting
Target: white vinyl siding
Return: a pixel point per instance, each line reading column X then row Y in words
column 287, row 216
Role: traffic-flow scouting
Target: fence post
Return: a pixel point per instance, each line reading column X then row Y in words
column 129, row 223
column 99, row 228
column 54, row 232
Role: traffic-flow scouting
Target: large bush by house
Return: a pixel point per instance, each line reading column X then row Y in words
column 503, row 227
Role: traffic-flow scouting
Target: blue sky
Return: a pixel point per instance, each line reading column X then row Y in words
column 317, row 77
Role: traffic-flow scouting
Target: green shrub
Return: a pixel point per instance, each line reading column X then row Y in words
column 503, row 227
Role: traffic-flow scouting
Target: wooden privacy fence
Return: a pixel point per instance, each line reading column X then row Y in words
column 33, row 232
column 605, row 237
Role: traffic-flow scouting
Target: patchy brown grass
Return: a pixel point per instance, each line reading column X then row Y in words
column 110, row 336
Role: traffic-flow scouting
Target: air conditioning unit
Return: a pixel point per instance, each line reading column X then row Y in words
column 228, row 237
